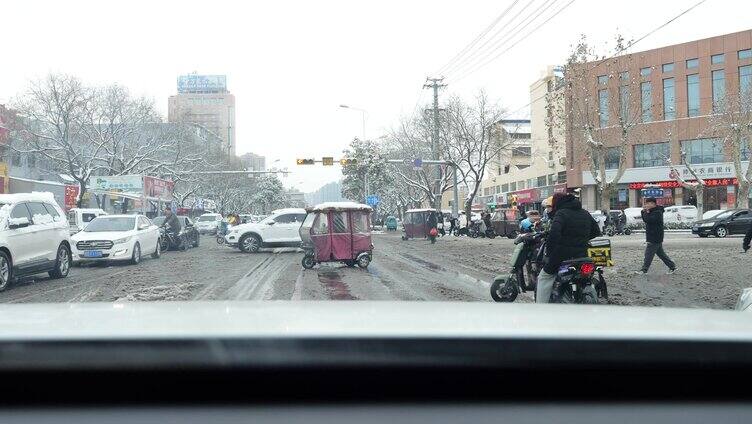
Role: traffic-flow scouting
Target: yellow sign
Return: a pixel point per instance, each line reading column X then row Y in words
column 327, row 161
column 305, row 161
column 601, row 255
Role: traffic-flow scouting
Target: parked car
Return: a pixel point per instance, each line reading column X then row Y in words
column 634, row 216
column 278, row 229
column 731, row 221
column 208, row 223
column 78, row 218
column 34, row 237
column 245, row 218
column 680, row 214
column 188, row 227
column 116, row 238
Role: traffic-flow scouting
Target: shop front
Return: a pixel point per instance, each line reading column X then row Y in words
column 720, row 191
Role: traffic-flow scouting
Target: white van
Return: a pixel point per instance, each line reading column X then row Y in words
column 79, row 218
column 678, row 214
column 208, row 223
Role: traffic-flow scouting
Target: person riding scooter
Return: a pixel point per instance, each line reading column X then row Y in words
column 172, row 227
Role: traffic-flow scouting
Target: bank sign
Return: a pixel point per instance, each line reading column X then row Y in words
column 193, row 83
column 665, row 173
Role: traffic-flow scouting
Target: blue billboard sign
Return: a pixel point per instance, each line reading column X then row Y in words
column 194, row 83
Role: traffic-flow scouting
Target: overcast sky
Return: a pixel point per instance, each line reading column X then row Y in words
column 291, row 63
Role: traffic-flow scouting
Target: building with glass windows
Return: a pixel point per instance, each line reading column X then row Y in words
column 672, row 103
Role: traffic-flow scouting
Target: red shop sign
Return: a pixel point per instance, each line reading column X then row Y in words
column 527, row 196
column 710, row 182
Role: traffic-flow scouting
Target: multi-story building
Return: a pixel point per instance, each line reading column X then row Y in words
column 677, row 93
column 204, row 100
column 330, row 192
column 531, row 168
column 253, row 162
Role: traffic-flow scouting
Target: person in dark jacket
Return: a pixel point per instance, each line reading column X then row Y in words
column 571, row 229
column 747, row 238
column 652, row 216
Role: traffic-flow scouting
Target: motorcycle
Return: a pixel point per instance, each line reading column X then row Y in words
column 476, row 231
column 613, row 230
column 527, row 261
column 579, row 281
column 168, row 240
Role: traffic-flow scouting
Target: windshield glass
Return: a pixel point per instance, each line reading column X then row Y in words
column 110, row 224
column 724, row 214
column 238, row 117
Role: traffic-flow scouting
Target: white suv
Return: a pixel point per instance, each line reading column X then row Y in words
column 278, row 229
column 34, row 237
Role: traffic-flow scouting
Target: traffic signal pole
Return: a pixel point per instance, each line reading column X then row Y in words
column 435, row 84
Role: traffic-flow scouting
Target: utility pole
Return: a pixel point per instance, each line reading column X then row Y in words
column 435, row 84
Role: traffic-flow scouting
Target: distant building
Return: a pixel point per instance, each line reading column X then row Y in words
column 253, row 162
column 205, row 101
column 331, row 192
column 295, row 198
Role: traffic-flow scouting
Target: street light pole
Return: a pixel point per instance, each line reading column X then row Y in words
column 363, row 123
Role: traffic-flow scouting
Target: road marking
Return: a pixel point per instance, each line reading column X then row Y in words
column 298, row 291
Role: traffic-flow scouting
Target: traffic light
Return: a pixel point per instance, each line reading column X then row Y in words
column 327, row 161
column 305, row 161
column 514, row 200
column 348, row 161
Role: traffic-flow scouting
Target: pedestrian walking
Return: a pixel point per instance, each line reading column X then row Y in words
column 452, row 224
column 652, row 216
column 747, row 238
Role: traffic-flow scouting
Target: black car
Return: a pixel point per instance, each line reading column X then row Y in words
column 188, row 228
column 732, row 221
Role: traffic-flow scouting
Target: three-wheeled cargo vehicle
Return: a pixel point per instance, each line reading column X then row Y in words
column 417, row 224
column 337, row 232
column 506, row 222
column 391, row 223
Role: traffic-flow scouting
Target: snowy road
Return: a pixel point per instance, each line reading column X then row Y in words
column 712, row 273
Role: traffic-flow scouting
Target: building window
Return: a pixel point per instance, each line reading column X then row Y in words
column 603, row 107
column 521, row 185
column 744, row 150
column 624, row 76
column 646, row 89
column 498, row 189
column 708, row 150
column 542, row 181
column 551, row 179
column 612, row 158
column 645, row 71
column 692, row 63
column 669, row 98
column 717, row 58
column 745, row 80
column 668, row 67
column 603, row 79
column 521, row 152
column 719, row 90
column 650, row 154
column 550, row 156
column 744, row 54
column 693, row 95
column 505, row 188
column 624, row 103
column 561, row 177
column 513, row 186
column 531, row 183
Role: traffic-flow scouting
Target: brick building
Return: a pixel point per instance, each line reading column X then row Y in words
column 675, row 91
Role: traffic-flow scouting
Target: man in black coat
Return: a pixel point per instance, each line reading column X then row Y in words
column 652, row 216
column 571, row 229
column 747, row 238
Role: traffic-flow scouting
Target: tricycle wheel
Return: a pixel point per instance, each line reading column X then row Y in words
column 364, row 261
column 308, row 262
column 404, row 237
column 628, row 231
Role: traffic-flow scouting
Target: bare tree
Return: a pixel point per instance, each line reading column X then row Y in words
column 471, row 139
column 604, row 112
column 412, row 140
column 732, row 122
column 54, row 113
column 697, row 186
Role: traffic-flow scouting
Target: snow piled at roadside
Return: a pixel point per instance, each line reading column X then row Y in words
column 155, row 293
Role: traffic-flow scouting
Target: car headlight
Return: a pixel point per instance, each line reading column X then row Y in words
column 121, row 240
column 706, row 225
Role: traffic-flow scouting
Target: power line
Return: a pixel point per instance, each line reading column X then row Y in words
column 479, row 37
column 506, row 38
column 470, row 56
column 475, row 69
